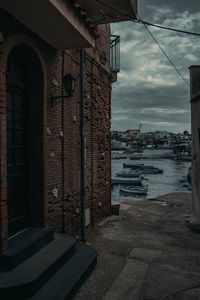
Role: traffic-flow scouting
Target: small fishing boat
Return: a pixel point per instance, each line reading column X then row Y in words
column 137, row 190
column 124, row 181
column 148, row 170
column 144, row 169
column 131, row 174
column 152, row 171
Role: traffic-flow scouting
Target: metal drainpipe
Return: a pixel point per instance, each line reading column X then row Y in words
column 110, row 175
column 92, row 145
column 63, row 145
column 82, row 173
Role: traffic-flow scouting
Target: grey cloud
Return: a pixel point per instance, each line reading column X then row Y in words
column 148, row 89
column 175, row 5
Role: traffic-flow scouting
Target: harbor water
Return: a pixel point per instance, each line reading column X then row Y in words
column 173, row 179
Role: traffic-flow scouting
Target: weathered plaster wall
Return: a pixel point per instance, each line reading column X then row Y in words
column 195, row 116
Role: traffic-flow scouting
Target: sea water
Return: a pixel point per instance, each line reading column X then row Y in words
column 173, row 179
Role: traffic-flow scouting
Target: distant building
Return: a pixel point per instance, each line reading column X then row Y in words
column 161, row 135
column 127, row 135
column 132, row 133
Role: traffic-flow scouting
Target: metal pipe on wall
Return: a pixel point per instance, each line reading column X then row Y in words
column 62, row 144
column 92, row 144
column 82, row 145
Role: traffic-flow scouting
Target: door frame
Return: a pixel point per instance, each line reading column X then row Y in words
column 38, row 204
column 17, row 87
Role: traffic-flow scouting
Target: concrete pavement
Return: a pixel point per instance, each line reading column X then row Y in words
column 146, row 253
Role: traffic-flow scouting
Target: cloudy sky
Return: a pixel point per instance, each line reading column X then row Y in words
column 148, row 90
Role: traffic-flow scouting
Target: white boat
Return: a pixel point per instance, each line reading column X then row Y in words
column 133, row 190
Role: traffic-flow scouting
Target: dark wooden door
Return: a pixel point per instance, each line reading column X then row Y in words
column 17, row 167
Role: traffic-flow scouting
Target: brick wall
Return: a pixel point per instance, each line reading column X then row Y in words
column 96, row 133
column 62, row 210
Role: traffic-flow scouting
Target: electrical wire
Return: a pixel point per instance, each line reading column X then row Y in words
column 151, row 34
column 166, row 28
column 163, row 51
column 139, row 20
column 168, row 58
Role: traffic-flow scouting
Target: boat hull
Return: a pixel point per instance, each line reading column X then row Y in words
column 135, row 181
column 135, row 191
column 129, row 175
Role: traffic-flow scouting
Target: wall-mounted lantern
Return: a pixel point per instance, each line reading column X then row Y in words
column 69, row 84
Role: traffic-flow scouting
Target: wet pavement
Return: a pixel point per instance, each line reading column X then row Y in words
column 146, row 253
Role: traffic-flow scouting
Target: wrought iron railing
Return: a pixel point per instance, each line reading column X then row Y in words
column 115, row 53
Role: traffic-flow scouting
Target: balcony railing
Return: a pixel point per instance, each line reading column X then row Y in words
column 115, row 53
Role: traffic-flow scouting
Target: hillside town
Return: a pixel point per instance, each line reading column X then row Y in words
column 135, row 141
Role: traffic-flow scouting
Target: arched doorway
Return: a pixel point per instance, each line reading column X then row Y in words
column 17, row 146
column 25, row 161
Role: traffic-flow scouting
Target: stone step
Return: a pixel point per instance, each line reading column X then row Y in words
column 22, row 282
column 67, row 280
column 24, row 245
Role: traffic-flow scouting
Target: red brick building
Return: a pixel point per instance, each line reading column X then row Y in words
column 55, row 150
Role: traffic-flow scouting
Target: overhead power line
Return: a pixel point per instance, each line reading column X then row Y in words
column 139, row 20
column 168, row 58
column 163, row 51
column 166, row 28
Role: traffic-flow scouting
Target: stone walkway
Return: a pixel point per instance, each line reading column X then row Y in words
column 146, row 253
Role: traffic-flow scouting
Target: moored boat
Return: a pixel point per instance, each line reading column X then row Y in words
column 152, row 171
column 144, row 169
column 124, row 181
column 133, row 190
column 130, row 174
